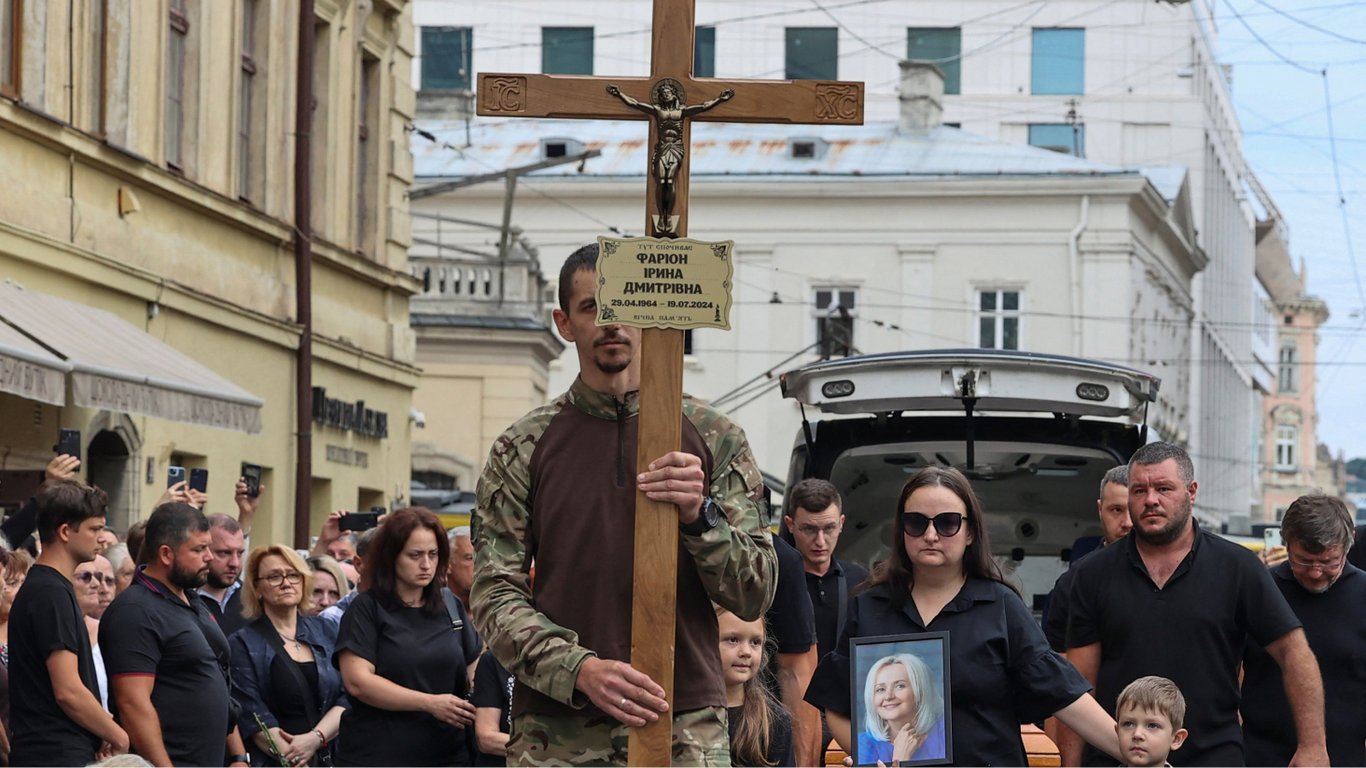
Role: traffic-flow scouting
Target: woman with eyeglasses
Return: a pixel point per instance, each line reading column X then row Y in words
column 282, row 664
column 404, row 650
column 940, row 577
column 94, row 594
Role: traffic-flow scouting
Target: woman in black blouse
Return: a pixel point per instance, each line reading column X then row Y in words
column 404, row 652
column 940, row 577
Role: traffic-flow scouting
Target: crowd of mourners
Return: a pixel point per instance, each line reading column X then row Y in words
column 183, row 643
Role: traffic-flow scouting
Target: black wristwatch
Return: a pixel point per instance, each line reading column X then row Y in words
column 239, row 759
column 708, row 517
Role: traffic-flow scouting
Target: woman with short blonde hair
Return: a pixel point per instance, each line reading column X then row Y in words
column 282, row 665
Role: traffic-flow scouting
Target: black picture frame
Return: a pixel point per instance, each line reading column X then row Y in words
column 923, row 659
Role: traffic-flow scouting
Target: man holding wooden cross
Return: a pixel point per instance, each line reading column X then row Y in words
column 558, row 489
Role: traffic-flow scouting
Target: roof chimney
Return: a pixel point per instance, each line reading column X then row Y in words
column 922, row 97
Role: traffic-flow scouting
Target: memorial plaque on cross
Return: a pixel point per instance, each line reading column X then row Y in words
column 669, row 99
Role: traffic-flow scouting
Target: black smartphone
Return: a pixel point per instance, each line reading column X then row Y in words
column 251, row 475
column 69, row 443
column 174, row 475
column 199, row 479
column 358, row 521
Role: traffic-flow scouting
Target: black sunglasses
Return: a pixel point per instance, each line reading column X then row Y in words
column 945, row 523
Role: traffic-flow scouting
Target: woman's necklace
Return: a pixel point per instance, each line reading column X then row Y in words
column 292, row 639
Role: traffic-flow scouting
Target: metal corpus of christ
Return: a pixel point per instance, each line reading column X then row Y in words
column 661, row 98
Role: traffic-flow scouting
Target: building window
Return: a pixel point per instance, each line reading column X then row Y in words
column 1288, row 381
column 812, row 53
column 447, row 58
column 1066, row 138
column 322, row 112
column 367, row 155
column 1287, row 436
column 176, row 43
column 567, row 50
column 251, row 118
column 704, row 52
column 836, row 309
column 998, row 319
column 941, row 46
column 11, row 46
column 96, row 63
column 1059, row 62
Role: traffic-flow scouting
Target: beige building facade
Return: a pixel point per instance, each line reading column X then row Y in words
column 148, row 174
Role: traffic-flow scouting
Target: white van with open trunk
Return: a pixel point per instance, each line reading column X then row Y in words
column 1035, row 433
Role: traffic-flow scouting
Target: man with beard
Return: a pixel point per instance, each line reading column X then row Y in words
column 221, row 592
column 164, row 652
column 1327, row 594
column 1175, row 600
column 560, row 488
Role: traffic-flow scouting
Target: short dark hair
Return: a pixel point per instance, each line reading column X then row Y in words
column 226, row 522
column 814, row 495
column 585, row 258
column 136, row 533
column 1316, row 522
column 381, row 566
column 1156, row 453
column 67, row 502
column 1117, row 475
column 364, row 539
column 171, row 525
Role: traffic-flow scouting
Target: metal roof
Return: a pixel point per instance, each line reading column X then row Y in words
column 748, row 152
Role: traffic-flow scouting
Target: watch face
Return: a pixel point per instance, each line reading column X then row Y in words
column 710, row 513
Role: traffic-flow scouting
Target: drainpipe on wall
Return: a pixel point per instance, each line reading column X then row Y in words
column 1074, row 254
column 303, row 276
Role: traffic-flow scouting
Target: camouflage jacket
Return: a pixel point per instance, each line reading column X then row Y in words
column 557, row 490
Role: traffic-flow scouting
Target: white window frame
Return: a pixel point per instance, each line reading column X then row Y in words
column 1287, row 369
column 1287, row 447
column 822, row 314
column 999, row 315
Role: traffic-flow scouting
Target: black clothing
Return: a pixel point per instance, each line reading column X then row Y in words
column 1193, row 631
column 229, row 617
column 148, row 630
column 790, row 620
column 1055, row 607
column 1357, row 554
column 780, row 752
column 19, row 526
column 493, row 686
column 1335, row 625
column 416, row 649
column 45, row 619
column 1002, row 672
column 291, row 705
column 825, row 599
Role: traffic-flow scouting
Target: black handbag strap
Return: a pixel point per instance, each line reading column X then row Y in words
column 265, row 629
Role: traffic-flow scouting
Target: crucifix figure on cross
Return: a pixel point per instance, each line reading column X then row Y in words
column 682, row 541
column 668, row 108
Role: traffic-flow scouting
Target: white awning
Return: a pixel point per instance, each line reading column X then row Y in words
column 118, row 367
column 28, row 370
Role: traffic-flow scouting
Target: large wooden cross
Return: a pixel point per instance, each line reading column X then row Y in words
column 821, row 102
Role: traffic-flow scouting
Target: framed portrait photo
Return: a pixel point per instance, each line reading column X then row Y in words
column 900, row 690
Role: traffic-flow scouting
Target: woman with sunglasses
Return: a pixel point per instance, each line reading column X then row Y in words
column 940, row 577
column 282, row 664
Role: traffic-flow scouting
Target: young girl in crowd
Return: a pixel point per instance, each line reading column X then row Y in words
column 760, row 732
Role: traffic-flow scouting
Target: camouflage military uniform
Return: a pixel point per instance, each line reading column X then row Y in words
column 583, row 573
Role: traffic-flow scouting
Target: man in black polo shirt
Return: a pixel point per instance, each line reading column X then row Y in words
column 1174, row 600
column 166, row 655
column 55, row 715
column 815, row 524
column 791, row 625
column 1112, row 505
column 1327, row 594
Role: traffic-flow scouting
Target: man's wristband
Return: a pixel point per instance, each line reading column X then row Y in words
column 239, row 759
